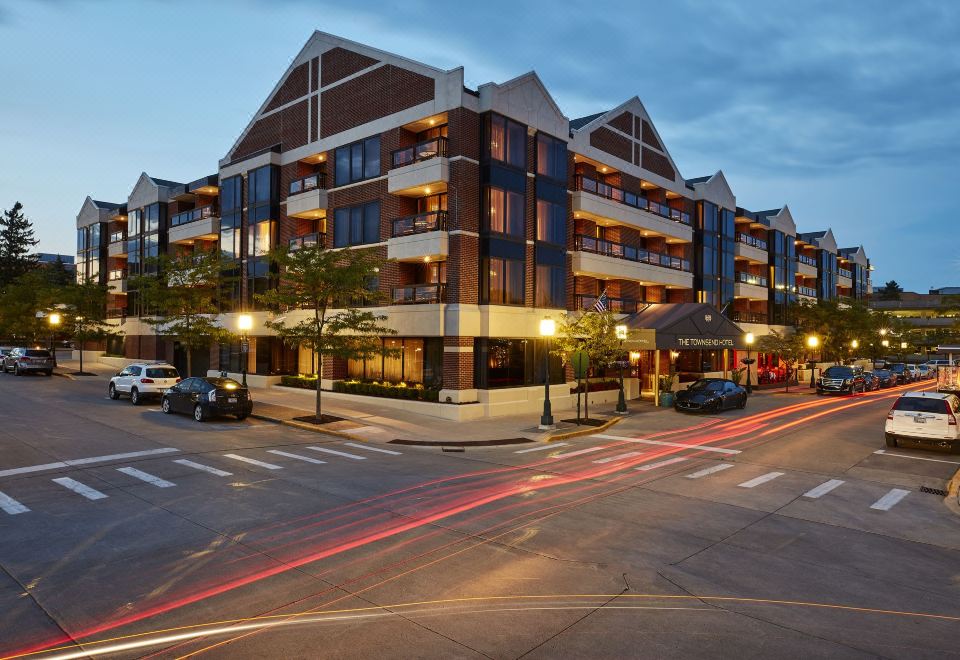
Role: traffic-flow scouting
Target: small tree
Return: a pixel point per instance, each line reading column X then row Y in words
column 788, row 346
column 591, row 332
column 20, row 303
column 890, row 291
column 87, row 320
column 16, row 241
column 324, row 283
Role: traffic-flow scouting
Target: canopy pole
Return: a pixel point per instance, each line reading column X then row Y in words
column 656, row 377
column 724, row 357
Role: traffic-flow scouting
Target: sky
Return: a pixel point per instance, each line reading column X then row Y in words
column 847, row 112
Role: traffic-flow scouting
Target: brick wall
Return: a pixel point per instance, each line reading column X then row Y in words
column 295, row 86
column 612, row 143
column 657, row 163
column 622, row 122
column 338, row 63
column 649, row 137
column 379, row 93
column 458, row 366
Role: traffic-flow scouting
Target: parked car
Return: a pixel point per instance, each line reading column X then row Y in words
column 871, row 380
column 840, row 379
column 903, row 374
column 21, row 361
column 915, row 371
column 886, row 377
column 710, row 395
column 143, row 380
column 4, row 351
column 934, row 364
column 924, row 419
column 926, row 371
column 208, row 397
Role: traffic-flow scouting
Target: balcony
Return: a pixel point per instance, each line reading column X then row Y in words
column 307, row 240
column 749, row 278
column 752, row 241
column 618, row 305
column 600, row 201
column 118, row 245
column 750, row 248
column 807, row 291
column 420, row 237
column 418, row 294
column 605, row 259
column 748, row 317
column 195, row 224
column 419, row 170
column 117, row 281
column 843, row 272
column 307, row 197
column 752, row 287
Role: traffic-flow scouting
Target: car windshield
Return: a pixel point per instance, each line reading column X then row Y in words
column 162, row 372
column 37, row 353
column 225, row 383
column 881, row 373
column 896, row 368
column 921, row 404
column 838, row 372
column 707, row 386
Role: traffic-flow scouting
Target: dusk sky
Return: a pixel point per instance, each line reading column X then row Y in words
column 848, row 112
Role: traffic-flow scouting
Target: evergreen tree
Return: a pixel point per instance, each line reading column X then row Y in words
column 890, row 291
column 16, row 242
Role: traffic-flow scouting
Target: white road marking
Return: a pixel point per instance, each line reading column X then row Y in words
column 338, row 453
column 710, row 470
column 888, row 501
column 610, row 459
column 297, row 456
column 664, row 443
column 823, row 488
column 11, row 506
column 366, row 429
column 79, row 488
column 552, row 445
column 578, row 452
column 149, row 478
column 654, row 466
column 916, row 458
column 253, row 461
column 85, row 461
column 762, row 479
column 205, row 468
column 369, row 448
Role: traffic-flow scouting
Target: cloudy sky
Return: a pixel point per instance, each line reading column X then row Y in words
column 849, row 112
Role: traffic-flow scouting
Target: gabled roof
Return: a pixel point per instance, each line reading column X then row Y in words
column 148, row 190
column 104, row 205
column 165, row 183
column 580, row 122
column 822, row 239
column 714, row 188
column 526, row 99
column 855, row 254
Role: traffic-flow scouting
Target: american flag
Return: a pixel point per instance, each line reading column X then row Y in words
column 601, row 304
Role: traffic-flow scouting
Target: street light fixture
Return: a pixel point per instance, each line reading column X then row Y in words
column 245, row 325
column 547, row 329
column 621, row 409
column 885, row 343
column 748, row 339
column 54, row 320
column 812, row 342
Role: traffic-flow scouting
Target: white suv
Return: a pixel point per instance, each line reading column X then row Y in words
column 149, row 379
column 926, row 419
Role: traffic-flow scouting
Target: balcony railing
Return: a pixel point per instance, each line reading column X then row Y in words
column 420, row 151
column 630, row 199
column 418, row 294
column 208, row 211
column 118, row 236
column 747, row 239
column 622, row 305
column 307, row 183
column 420, row 223
column 843, row 272
column 629, row 252
column 749, row 278
column 807, row 291
column 307, row 240
column 748, row 317
column 804, row 259
column 115, row 275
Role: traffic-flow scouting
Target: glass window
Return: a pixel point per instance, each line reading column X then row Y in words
column 356, row 225
column 507, row 141
column 504, row 281
column 551, row 222
column 357, row 161
column 260, row 186
column 259, row 240
column 133, row 222
column 413, row 360
column 343, row 166
column 81, row 240
column 393, row 365
column 371, row 157
column 231, row 193
column 94, row 236
column 551, row 286
column 504, row 212
column 371, row 222
column 341, row 227
column 551, row 157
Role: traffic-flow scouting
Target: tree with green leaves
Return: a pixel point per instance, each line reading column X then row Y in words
column 890, row 291
column 311, row 305
column 592, row 332
column 789, row 347
column 16, row 243
column 87, row 317
column 23, row 305
column 181, row 299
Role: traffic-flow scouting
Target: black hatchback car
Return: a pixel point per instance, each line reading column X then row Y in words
column 208, row 397
column 710, row 395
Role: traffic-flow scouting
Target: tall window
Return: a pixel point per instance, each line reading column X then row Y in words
column 551, row 157
column 357, row 161
column 356, row 225
column 503, row 212
column 263, row 196
column 506, row 141
column 551, row 286
column 503, row 283
column 551, row 222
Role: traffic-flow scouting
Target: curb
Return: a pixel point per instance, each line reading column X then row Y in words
column 64, row 375
column 590, row 431
column 952, row 500
column 303, row 427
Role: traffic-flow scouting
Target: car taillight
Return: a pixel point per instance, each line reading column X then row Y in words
column 179, row 379
column 951, row 419
column 146, row 380
column 890, row 414
column 24, row 359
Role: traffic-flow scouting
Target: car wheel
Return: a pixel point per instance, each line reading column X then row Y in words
column 112, row 391
column 716, row 407
column 135, row 396
column 891, row 441
column 743, row 402
column 165, row 405
column 198, row 413
column 242, row 416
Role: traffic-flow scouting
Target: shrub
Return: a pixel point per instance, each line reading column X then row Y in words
column 387, row 390
column 597, row 386
column 302, row 382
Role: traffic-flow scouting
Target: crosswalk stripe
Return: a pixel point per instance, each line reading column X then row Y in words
column 578, row 452
column 710, row 470
column 762, row 479
column 205, row 468
column 610, row 459
column 889, row 500
column 144, row 476
column 369, row 448
column 654, row 466
column 338, row 453
column 552, row 445
column 823, row 488
column 79, row 488
column 11, row 506
column 308, row 459
column 253, row 461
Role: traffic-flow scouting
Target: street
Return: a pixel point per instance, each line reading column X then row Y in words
column 783, row 530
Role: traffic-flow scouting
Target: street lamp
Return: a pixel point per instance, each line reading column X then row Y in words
column 547, row 329
column 812, row 342
column 621, row 409
column 54, row 320
column 748, row 339
column 244, row 325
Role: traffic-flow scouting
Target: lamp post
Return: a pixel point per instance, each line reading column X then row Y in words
column 244, row 325
column 903, row 347
column 748, row 340
column 54, row 320
column 812, row 342
column 621, row 409
column 547, row 329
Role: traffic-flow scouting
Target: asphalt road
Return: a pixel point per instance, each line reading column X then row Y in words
column 777, row 531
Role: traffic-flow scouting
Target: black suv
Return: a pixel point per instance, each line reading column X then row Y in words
column 841, row 380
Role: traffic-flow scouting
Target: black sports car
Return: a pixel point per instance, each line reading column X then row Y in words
column 710, row 395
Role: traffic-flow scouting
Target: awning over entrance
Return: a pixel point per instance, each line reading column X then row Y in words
column 682, row 326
